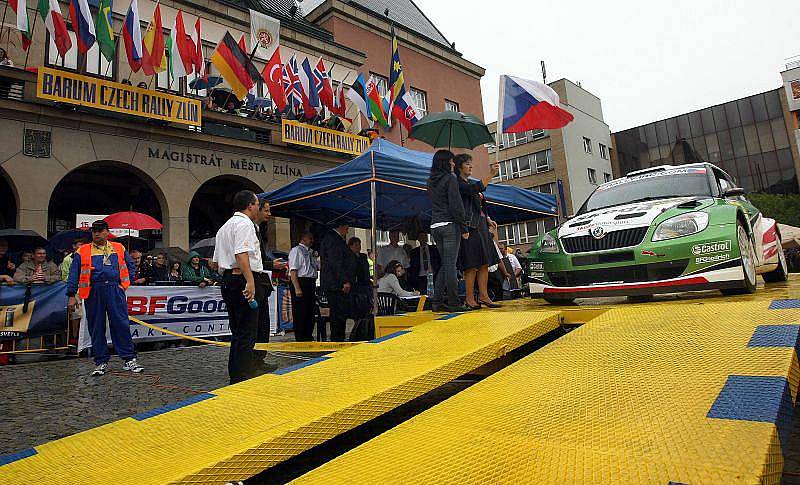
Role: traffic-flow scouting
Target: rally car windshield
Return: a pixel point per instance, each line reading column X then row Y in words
column 656, row 185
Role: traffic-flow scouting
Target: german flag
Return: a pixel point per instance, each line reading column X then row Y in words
column 235, row 66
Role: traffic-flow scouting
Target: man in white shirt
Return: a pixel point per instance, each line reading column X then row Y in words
column 303, row 271
column 516, row 269
column 238, row 253
column 392, row 252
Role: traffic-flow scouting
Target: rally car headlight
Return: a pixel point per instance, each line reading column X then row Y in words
column 549, row 244
column 681, row 225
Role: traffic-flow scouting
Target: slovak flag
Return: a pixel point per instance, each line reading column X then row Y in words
column 529, row 105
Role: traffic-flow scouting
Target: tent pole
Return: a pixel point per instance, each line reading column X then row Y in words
column 373, row 196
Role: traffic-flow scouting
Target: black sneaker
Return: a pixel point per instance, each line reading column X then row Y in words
column 456, row 309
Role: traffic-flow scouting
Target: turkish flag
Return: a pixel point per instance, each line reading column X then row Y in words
column 272, row 75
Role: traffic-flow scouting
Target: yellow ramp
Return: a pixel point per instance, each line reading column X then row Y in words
column 663, row 393
column 240, row 430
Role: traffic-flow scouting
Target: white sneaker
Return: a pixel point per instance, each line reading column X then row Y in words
column 132, row 366
column 100, row 370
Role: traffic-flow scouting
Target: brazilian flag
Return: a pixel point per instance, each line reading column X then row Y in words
column 103, row 30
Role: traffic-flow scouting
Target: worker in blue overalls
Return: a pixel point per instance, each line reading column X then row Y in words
column 100, row 273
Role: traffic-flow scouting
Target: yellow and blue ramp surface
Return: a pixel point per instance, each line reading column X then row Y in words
column 691, row 390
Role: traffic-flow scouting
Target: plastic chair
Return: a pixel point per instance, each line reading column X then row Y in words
column 387, row 304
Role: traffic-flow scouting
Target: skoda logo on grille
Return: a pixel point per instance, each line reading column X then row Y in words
column 597, row 232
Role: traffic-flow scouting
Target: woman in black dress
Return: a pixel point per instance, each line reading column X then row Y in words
column 477, row 252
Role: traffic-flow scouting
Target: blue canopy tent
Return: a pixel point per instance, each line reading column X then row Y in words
column 391, row 180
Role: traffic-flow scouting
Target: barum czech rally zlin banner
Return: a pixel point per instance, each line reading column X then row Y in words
column 44, row 314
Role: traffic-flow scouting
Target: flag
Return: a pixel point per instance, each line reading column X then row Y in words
column 339, row 104
column 405, row 110
column 397, row 86
column 82, row 24
column 153, row 59
column 273, row 78
column 265, row 34
column 323, row 84
column 103, row 30
column 358, row 95
column 234, row 66
column 198, row 60
column 375, row 103
column 311, row 104
column 529, row 105
column 242, row 45
column 132, row 35
column 54, row 21
column 181, row 49
column 20, row 7
column 291, row 85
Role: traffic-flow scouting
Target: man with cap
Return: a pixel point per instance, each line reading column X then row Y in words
column 100, row 273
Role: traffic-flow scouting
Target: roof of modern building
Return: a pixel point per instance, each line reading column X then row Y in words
column 403, row 12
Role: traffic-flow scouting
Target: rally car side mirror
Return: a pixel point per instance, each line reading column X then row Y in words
column 733, row 192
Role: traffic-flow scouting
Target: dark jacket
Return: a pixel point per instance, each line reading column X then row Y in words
column 338, row 263
column 362, row 270
column 416, row 266
column 446, row 204
column 470, row 191
column 158, row 273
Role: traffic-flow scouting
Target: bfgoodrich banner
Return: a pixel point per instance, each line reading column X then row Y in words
column 188, row 310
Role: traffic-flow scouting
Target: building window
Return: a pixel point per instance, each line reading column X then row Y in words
column 545, row 188
column 525, row 232
column 382, row 83
column 166, row 82
column 587, row 145
column 420, row 101
column 92, row 63
column 606, row 177
column 525, row 165
column 592, row 176
column 450, row 105
column 603, row 152
column 509, row 140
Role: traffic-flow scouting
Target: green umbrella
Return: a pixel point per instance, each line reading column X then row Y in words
column 451, row 129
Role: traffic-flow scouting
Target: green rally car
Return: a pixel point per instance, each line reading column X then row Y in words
column 660, row 230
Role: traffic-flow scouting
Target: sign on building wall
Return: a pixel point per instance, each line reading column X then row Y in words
column 67, row 87
column 795, row 88
column 299, row 133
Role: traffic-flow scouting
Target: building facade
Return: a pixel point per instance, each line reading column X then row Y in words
column 59, row 160
column 568, row 163
column 754, row 139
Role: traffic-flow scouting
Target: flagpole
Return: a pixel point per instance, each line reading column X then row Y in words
column 33, row 28
column 3, row 23
column 116, row 46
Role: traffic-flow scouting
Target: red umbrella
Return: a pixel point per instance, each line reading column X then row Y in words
column 132, row 220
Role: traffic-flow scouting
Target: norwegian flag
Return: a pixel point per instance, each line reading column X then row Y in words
column 322, row 83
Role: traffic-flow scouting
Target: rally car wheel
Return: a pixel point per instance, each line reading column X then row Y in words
column 748, row 259
column 781, row 273
column 560, row 301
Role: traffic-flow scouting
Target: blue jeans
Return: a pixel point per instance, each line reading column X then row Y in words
column 448, row 240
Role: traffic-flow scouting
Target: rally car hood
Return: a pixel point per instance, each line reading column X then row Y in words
column 636, row 214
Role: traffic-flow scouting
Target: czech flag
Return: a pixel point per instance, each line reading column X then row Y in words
column 82, row 24
column 529, row 105
column 132, row 35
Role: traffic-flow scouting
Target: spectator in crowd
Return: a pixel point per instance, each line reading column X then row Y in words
column 139, row 277
column 142, row 85
column 38, row 271
column 362, row 295
column 194, row 272
column 477, row 252
column 75, row 315
column 513, row 267
column 363, row 272
column 264, row 279
column 303, row 271
column 26, row 257
column 4, row 59
column 338, row 275
column 448, row 228
column 99, row 275
column 392, row 252
column 371, row 260
column 390, row 281
column 7, row 267
column 160, row 270
column 425, row 261
column 239, row 256
column 213, row 268
column 175, row 272
column 497, row 272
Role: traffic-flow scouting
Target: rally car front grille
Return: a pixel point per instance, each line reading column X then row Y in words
column 612, row 240
column 638, row 273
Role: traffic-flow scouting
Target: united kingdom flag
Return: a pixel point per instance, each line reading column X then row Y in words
column 291, row 85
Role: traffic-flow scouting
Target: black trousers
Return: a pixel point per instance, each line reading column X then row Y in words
column 262, row 335
column 339, row 303
column 303, row 310
column 243, row 322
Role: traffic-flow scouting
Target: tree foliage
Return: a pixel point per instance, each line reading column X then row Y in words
column 784, row 208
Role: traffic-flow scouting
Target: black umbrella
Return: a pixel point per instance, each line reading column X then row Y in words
column 174, row 253
column 205, row 247
column 223, row 97
column 21, row 239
